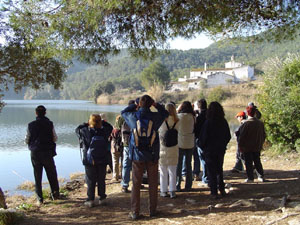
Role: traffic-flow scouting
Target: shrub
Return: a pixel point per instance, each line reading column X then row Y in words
column 156, row 92
column 218, row 94
column 279, row 102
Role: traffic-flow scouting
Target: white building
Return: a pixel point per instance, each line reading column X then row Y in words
column 234, row 72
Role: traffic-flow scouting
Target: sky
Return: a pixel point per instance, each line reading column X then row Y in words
column 200, row 41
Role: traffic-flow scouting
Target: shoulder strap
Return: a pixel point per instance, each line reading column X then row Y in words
column 167, row 125
column 174, row 125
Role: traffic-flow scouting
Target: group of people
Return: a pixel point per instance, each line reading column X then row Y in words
column 159, row 139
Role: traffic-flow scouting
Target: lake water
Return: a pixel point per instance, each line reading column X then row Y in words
column 15, row 163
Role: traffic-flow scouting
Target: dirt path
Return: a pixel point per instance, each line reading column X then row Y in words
column 257, row 203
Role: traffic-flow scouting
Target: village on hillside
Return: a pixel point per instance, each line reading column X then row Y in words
column 234, row 72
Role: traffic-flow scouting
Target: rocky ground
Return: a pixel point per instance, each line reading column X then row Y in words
column 276, row 201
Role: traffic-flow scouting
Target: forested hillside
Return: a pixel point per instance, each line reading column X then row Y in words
column 124, row 71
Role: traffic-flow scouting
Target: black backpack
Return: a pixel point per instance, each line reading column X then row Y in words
column 170, row 137
column 98, row 150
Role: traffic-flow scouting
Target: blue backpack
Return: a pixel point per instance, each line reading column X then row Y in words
column 144, row 135
column 98, row 150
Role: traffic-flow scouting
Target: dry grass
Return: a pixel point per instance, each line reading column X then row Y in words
column 156, row 92
column 237, row 101
column 76, row 175
column 119, row 97
column 104, row 99
column 26, row 186
column 241, row 94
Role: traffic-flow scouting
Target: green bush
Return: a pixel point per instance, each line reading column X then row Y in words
column 218, row 94
column 279, row 101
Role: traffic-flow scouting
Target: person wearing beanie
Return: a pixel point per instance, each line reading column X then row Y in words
column 238, row 167
column 257, row 113
column 251, row 138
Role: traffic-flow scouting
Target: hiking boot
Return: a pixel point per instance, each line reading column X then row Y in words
column 153, row 213
column 223, row 193
column 214, row 197
column 133, row 215
column 163, row 194
column 187, row 190
column 178, row 189
column 125, row 190
column 39, row 203
column 102, row 201
column 172, row 194
column 55, row 196
column 248, row 181
column 261, row 179
column 89, row 204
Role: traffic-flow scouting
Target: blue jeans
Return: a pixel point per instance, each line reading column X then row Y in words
column 203, row 165
column 187, row 153
column 127, row 165
column 196, row 169
column 239, row 160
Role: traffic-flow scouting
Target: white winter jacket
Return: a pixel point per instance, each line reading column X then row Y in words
column 186, row 136
column 168, row 156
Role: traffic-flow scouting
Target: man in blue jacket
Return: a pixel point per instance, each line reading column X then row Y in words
column 144, row 155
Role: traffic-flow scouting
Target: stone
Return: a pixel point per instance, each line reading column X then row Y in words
column 191, row 201
column 178, row 211
column 295, row 205
column 2, row 200
column 294, row 221
column 170, row 205
column 220, row 205
column 244, row 203
column 270, row 201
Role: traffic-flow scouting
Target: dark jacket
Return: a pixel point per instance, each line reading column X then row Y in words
column 214, row 136
column 41, row 137
column 200, row 119
column 130, row 116
column 252, row 135
column 85, row 134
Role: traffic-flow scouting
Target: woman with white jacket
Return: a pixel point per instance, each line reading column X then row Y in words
column 168, row 155
column 186, row 143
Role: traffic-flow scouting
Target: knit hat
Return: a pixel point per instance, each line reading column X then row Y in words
column 241, row 114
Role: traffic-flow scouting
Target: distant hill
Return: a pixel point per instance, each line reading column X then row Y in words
column 124, row 70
